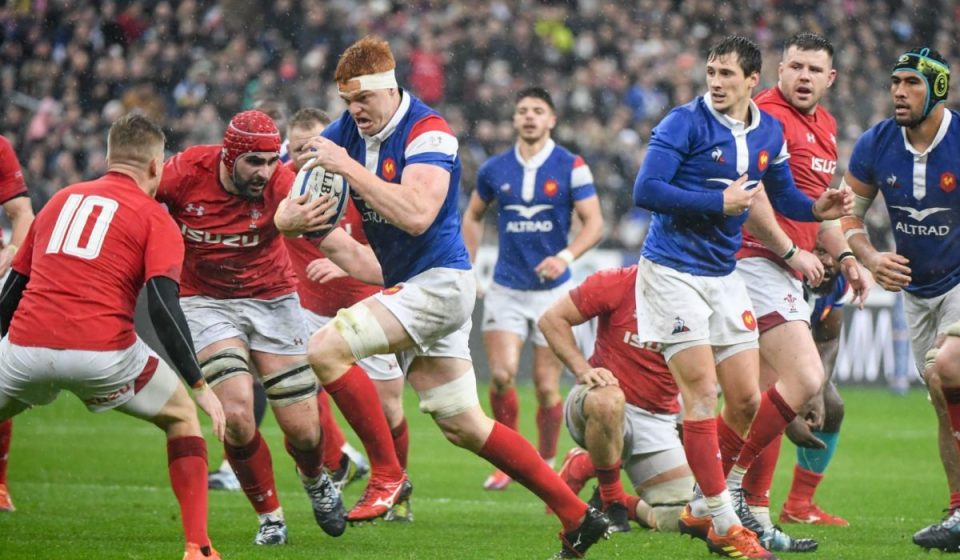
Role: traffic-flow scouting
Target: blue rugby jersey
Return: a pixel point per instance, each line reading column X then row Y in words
column 823, row 305
column 415, row 134
column 694, row 154
column 535, row 202
column 920, row 190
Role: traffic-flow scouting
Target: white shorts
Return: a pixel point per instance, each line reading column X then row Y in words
column 380, row 367
column 517, row 311
column 644, row 432
column 928, row 318
column 434, row 308
column 677, row 310
column 777, row 295
column 101, row 379
column 272, row 326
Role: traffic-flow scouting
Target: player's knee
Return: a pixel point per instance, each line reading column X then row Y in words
column 605, row 404
column 946, row 360
column 502, row 377
column 290, row 385
column 833, row 409
column 353, row 334
column 239, row 415
column 809, row 382
column 743, row 407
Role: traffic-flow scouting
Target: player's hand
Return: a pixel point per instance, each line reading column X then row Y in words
column 209, row 403
column 323, row 270
column 859, row 280
column 597, row 377
column 550, row 268
column 809, row 265
column 736, row 199
column 6, row 258
column 319, row 151
column 800, row 434
column 890, row 270
column 833, row 204
column 295, row 216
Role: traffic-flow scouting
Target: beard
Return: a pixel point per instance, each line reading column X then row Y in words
column 825, row 287
column 910, row 121
column 245, row 186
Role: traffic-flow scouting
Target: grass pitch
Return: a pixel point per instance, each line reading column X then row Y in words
column 95, row 486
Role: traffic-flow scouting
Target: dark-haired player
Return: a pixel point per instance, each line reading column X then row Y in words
column 912, row 159
column 538, row 186
column 702, row 171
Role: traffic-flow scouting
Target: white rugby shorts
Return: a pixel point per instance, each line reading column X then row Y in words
column 677, row 310
column 103, row 380
column 272, row 326
column 379, row 367
column 517, row 311
column 928, row 318
column 776, row 294
column 434, row 308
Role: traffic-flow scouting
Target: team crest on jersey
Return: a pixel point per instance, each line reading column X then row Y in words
column 811, row 138
column 763, row 160
column 255, row 214
column 505, row 188
column 717, row 155
column 892, row 181
column 748, row 320
column 551, row 188
column 679, row 326
column 389, row 169
column 948, row 181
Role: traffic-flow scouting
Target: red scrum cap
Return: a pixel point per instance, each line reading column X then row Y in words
column 249, row 132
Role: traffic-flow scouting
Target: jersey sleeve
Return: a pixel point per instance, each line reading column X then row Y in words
column 785, row 197
column 861, row 159
column 597, row 294
column 163, row 255
column 23, row 260
column 12, row 184
column 485, row 188
column 581, row 180
column 432, row 142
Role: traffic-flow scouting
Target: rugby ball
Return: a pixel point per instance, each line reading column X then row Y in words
column 317, row 182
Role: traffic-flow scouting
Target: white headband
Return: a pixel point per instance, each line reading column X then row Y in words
column 380, row 80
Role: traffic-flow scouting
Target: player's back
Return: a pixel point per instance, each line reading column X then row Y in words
column 87, row 255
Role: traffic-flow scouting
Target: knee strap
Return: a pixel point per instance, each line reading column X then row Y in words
column 224, row 364
column 451, row 398
column 290, row 385
column 363, row 333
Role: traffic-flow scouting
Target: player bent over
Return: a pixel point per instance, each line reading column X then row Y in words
column 113, row 234
column 624, row 405
column 239, row 297
column 400, row 158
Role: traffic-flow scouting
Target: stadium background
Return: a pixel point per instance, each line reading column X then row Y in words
column 68, row 69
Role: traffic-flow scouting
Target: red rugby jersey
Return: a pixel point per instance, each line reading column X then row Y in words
column 11, row 177
column 812, row 143
column 233, row 248
column 643, row 374
column 88, row 254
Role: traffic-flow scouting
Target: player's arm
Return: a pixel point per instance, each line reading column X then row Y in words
column 890, row 270
column 473, row 224
column 587, row 210
column 762, row 223
column 557, row 325
column 833, row 242
column 788, row 200
column 20, row 212
column 10, row 296
column 163, row 305
column 357, row 259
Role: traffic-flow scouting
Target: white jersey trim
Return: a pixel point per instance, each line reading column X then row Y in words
column 433, row 141
column 581, row 176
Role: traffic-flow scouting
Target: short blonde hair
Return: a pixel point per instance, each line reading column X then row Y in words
column 134, row 139
column 369, row 55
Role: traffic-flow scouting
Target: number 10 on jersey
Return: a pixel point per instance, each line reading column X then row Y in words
column 73, row 221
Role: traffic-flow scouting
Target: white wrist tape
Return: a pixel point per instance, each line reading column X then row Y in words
column 567, row 256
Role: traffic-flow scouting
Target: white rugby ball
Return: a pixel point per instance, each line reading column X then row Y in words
column 316, row 182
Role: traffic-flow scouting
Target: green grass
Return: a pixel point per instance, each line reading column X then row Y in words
column 95, row 486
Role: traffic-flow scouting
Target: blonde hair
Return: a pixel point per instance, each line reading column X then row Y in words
column 134, row 140
column 369, row 55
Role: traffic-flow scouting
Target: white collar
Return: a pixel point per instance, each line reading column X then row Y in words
column 731, row 123
column 941, row 132
column 538, row 158
column 394, row 122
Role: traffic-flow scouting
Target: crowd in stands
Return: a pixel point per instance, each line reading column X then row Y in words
column 69, row 68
